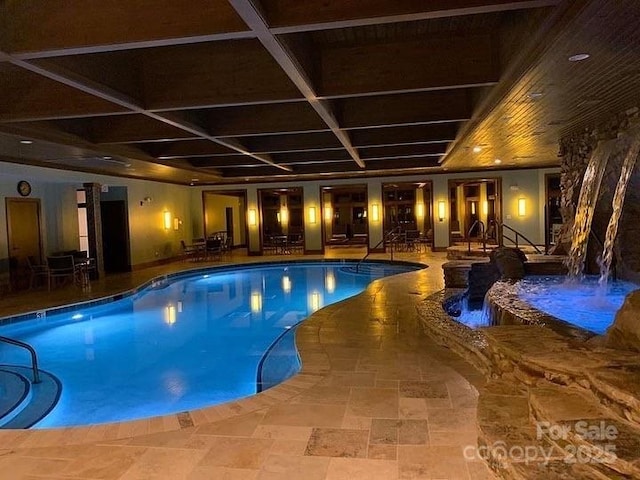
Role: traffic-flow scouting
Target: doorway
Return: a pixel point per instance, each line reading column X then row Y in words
column 475, row 207
column 224, row 216
column 24, row 238
column 115, row 236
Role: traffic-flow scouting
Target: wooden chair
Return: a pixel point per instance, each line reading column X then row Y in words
column 36, row 270
column 60, row 267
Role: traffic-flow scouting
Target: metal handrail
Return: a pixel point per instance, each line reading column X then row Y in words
column 384, row 239
column 501, row 236
column 483, row 235
column 34, row 357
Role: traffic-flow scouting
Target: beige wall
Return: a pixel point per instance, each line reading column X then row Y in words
column 215, row 215
column 151, row 241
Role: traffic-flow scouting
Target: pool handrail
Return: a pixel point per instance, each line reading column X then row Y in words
column 32, row 352
column 385, row 237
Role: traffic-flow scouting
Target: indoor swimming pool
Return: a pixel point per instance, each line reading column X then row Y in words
column 184, row 342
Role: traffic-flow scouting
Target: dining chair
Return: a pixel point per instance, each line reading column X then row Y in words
column 36, row 270
column 60, row 267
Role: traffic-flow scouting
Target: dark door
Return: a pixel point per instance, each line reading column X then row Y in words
column 115, row 236
column 229, row 218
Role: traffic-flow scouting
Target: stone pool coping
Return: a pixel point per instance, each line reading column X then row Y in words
column 314, row 370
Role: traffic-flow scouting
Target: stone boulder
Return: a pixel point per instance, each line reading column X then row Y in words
column 509, row 262
column 625, row 331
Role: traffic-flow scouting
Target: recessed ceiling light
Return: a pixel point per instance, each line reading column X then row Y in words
column 578, row 57
column 477, row 149
column 26, row 142
column 107, row 157
column 497, row 161
column 535, row 95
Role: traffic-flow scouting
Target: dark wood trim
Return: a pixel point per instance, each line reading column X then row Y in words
column 377, row 250
column 314, row 252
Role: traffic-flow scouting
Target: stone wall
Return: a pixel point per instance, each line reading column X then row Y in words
column 575, row 152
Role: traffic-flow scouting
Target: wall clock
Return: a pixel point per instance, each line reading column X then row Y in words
column 24, row 188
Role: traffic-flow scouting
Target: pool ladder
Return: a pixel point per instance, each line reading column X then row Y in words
column 32, row 352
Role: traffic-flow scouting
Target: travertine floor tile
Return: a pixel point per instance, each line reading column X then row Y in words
column 352, row 468
column 283, row 467
column 246, row 453
column 373, row 402
column 305, row 415
column 337, row 442
column 161, row 463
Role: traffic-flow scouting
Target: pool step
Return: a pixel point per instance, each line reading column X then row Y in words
column 31, row 401
column 15, row 392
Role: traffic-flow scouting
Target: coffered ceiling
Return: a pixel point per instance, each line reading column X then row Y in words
column 227, row 91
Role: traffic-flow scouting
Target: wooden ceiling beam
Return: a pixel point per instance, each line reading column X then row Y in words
column 425, row 64
column 88, row 86
column 264, row 119
column 32, row 29
column 28, row 96
column 292, row 67
column 291, row 16
column 227, row 161
column 214, row 73
column 405, row 109
column 415, row 134
column 431, row 149
column 292, row 142
column 184, row 148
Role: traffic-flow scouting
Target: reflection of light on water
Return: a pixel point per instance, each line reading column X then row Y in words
column 179, row 307
column 77, row 316
column 286, row 284
column 170, row 314
column 330, row 281
column 315, row 301
column 174, row 383
column 256, row 302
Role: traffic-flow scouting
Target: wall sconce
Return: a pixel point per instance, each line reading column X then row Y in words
column 286, row 284
column 473, row 208
column 168, row 221
column 328, row 213
column 312, row 215
column 441, row 210
column 375, row 212
column 522, row 207
column 284, row 215
column 256, row 302
column 176, row 223
column 253, row 218
column 419, row 209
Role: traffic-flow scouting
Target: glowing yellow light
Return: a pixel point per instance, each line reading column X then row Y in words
column 286, row 284
column 256, row 302
column 312, row 215
column 170, row 314
column 522, row 207
column 284, row 215
column 176, row 223
column 168, row 221
column 473, row 208
column 328, row 213
column 375, row 212
column 253, row 218
column 441, row 210
column 485, row 207
column 330, row 281
column 314, row 301
column 420, row 209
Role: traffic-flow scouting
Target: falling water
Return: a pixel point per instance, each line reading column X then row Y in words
column 586, row 206
column 618, row 200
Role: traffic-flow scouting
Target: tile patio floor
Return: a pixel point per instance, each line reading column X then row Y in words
column 376, row 399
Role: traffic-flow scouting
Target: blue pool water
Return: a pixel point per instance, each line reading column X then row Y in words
column 584, row 304
column 183, row 344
